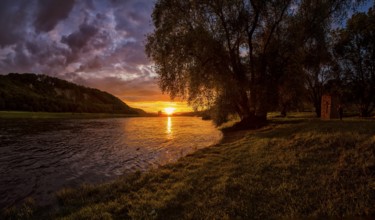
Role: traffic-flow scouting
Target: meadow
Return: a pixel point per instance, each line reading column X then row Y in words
column 295, row 167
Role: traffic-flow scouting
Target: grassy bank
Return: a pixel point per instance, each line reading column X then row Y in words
column 45, row 115
column 292, row 168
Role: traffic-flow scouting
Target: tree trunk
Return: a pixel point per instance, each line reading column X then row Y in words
column 364, row 112
column 284, row 108
column 318, row 108
column 253, row 120
column 283, row 112
column 250, row 122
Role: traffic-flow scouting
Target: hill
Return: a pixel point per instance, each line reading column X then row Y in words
column 31, row 92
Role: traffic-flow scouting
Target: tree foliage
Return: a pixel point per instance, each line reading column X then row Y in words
column 215, row 53
column 355, row 50
column 317, row 18
column 237, row 57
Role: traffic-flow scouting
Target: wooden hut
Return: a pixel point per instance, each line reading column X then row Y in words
column 329, row 107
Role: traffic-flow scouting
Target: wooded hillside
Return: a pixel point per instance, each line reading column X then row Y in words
column 31, row 92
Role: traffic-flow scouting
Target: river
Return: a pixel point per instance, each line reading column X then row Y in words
column 40, row 156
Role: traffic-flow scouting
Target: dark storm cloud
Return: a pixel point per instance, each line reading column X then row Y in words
column 13, row 21
column 94, row 64
column 133, row 15
column 98, row 43
column 78, row 40
column 50, row 12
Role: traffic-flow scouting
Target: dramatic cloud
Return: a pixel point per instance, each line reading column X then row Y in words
column 80, row 38
column 50, row 12
column 13, row 21
column 96, row 43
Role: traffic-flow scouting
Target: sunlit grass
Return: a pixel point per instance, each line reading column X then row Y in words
column 293, row 168
column 292, row 115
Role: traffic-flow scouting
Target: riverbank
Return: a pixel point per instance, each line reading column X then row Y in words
column 62, row 115
column 292, row 168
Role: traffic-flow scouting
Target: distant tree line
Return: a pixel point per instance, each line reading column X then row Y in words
column 249, row 57
column 31, row 92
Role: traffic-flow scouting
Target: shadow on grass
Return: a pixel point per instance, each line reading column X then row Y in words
column 287, row 129
column 286, row 121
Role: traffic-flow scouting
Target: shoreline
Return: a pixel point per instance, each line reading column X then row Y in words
column 93, row 177
column 60, row 115
column 266, row 173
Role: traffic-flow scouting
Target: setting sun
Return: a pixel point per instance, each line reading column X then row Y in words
column 169, row 110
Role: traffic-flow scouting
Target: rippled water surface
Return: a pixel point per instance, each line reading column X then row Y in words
column 39, row 156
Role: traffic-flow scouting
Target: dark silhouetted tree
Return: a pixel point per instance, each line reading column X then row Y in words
column 355, row 50
column 315, row 20
column 229, row 56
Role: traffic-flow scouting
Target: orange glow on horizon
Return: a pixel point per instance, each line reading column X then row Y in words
column 155, row 106
column 169, row 110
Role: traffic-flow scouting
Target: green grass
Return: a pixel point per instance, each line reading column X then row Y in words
column 44, row 115
column 293, row 168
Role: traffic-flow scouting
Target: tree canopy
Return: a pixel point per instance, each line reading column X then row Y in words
column 236, row 57
column 355, row 51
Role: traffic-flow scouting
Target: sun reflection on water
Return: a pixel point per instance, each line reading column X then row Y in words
column 169, row 127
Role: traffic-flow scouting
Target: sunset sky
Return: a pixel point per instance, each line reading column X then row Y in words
column 95, row 43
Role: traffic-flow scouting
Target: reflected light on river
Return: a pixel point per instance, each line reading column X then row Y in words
column 41, row 156
column 169, row 128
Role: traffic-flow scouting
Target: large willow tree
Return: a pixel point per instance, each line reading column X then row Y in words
column 228, row 55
